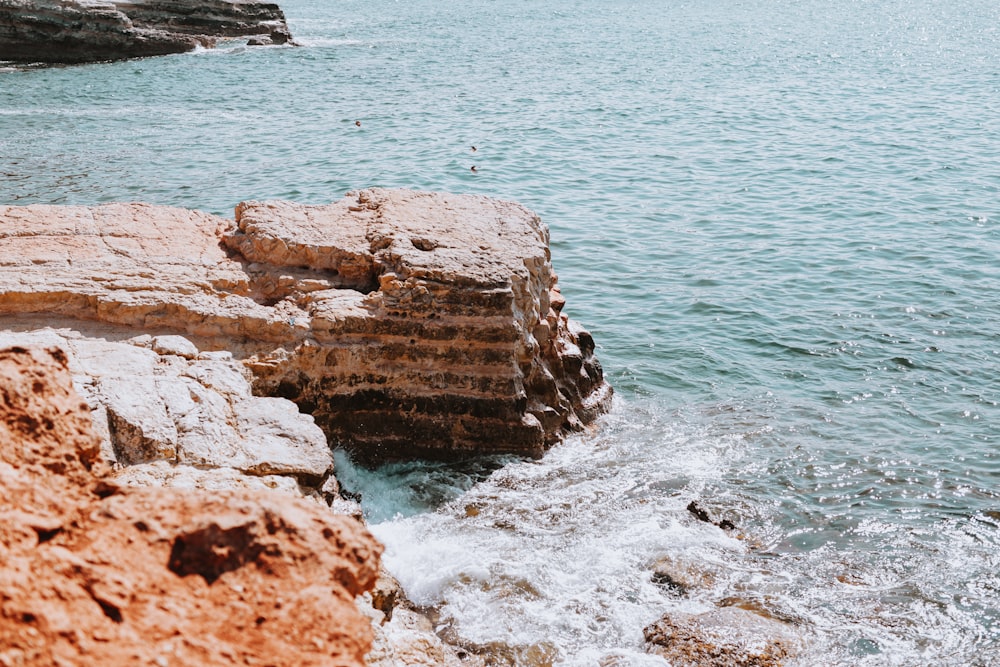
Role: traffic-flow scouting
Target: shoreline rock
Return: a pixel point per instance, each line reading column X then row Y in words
column 95, row 573
column 723, row 637
column 408, row 324
column 81, row 31
column 168, row 415
column 215, row 18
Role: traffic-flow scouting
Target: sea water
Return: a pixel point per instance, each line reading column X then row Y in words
column 779, row 218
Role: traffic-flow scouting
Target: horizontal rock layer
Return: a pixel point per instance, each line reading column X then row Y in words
column 218, row 18
column 92, row 573
column 408, row 324
column 76, row 31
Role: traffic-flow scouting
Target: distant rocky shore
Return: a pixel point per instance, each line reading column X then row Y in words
column 77, row 31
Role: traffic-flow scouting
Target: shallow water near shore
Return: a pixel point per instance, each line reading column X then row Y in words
column 778, row 219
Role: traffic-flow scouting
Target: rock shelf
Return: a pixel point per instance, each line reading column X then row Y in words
column 78, row 31
column 408, row 324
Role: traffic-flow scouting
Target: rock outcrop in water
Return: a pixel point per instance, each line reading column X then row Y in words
column 215, row 18
column 408, row 324
column 95, row 573
column 723, row 637
column 76, row 31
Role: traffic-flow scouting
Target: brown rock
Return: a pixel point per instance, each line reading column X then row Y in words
column 680, row 576
column 723, row 637
column 215, row 18
column 75, row 31
column 408, row 324
column 78, row 31
column 95, row 574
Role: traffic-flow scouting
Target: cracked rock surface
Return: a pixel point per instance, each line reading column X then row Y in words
column 95, row 573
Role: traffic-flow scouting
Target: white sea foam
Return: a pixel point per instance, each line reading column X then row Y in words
column 559, row 552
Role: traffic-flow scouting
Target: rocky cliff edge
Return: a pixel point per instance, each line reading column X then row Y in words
column 77, row 31
column 407, row 324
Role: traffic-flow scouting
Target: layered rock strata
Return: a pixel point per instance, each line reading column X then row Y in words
column 95, row 573
column 76, row 31
column 217, row 18
column 408, row 324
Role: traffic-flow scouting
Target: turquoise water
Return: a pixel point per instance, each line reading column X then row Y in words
column 781, row 222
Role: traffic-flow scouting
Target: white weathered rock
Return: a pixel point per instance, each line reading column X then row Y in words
column 194, row 412
column 168, row 475
column 176, row 345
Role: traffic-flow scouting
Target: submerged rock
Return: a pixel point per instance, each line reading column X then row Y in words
column 681, row 577
column 408, row 324
column 95, row 573
column 723, row 637
column 76, row 31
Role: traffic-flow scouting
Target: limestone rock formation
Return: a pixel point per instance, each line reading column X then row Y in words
column 75, row 31
column 98, row 574
column 404, row 636
column 408, row 324
column 177, row 417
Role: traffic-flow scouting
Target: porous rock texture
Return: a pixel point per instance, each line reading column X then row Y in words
column 92, row 573
column 168, row 415
column 76, row 31
column 407, row 324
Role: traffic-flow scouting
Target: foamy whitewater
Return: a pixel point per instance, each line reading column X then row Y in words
column 778, row 218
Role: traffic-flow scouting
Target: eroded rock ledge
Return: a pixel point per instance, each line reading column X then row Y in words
column 407, row 324
column 76, row 31
column 93, row 573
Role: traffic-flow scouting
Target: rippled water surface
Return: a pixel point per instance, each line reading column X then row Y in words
column 778, row 218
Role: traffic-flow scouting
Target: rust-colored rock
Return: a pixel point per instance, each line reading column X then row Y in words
column 96, row 574
column 408, row 324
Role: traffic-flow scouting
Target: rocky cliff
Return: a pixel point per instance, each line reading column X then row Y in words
column 218, row 18
column 95, row 573
column 75, row 31
column 407, row 324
